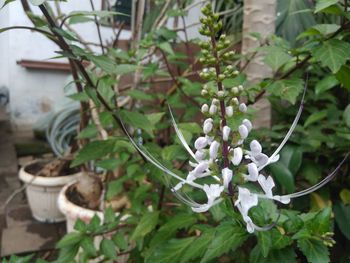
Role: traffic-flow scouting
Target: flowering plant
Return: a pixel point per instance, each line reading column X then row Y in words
column 221, row 154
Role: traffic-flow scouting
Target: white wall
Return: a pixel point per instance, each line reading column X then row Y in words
column 34, row 92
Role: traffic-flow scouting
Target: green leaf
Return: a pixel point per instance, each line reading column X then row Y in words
column 88, row 246
column 332, row 53
column 276, row 58
column 283, row 176
column 311, row 172
column 228, row 237
column 155, row 118
column 279, row 240
column 343, row 76
column 105, row 63
column 264, row 241
column 315, row 117
column 37, row 2
column 167, row 230
column 285, row 255
column 287, row 89
column 325, row 84
column 342, row 217
column 198, row 247
column 320, row 223
column 80, row 96
column 147, row 223
column 345, row 196
column 70, row 239
column 171, row 251
column 125, row 68
column 323, row 4
column 120, row 241
column 67, row 254
column 166, row 47
column 291, row 157
column 108, row 249
column 94, row 150
column 314, row 250
column 346, row 115
column 137, row 120
column 326, row 29
column 140, row 95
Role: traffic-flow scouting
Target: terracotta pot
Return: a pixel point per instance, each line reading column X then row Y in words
column 42, row 193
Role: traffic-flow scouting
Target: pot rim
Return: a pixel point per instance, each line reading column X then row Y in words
column 45, row 181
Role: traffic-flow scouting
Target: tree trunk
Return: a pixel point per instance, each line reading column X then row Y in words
column 259, row 17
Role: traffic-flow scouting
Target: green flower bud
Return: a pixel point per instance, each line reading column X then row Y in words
column 221, row 77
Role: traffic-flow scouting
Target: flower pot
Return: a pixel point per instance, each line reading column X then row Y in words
column 42, row 193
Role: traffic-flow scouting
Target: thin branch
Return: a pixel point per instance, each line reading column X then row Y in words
column 98, row 27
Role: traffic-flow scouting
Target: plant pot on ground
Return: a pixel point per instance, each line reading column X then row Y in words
column 44, row 180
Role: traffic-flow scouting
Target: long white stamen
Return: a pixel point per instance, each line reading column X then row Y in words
column 180, row 135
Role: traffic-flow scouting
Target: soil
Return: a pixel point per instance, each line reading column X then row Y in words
column 36, row 167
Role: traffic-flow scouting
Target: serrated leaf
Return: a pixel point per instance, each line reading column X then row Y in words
column 264, row 241
column 120, row 241
column 171, row 251
column 105, row 63
column 288, row 89
column 325, row 84
column 283, row 176
column 227, row 237
column 147, row 223
column 346, row 115
column 93, row 151
column 291, row 156
column 326, row 29
column 108, row 249
column 323, row 4
column 166, row 47
column 279, row 240
column 276, row 58
column 140, row 95
column 198, row 247
column 314, row 250
column 125, row 68
column 137, row 120
column 88, row 246
column 342, row 217
column 285, row 255
column 167, row 230
column 154, row 118
column 315, row 117
column 343, row 76
column 67, row 254
column 332, row 53
column 70, row 239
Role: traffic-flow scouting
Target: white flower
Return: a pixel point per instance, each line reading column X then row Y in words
column 243, row 107
column 240, row 87
column 229, row 111
column 221, row 93
column 215, row 102
column 212, row 191
column 199, row 155
column 253, row 172
column 237, row 156
column 213, row 109
column 235, row 101
column 200, row 143
column 255, row 147
column 210, row 139
column 226, row 176
column 243, row 131
column 205, row 108
column 200, row 168
column 266, row 185
column 248, row 124
column 234, row 90
column 256, row 155
column 225, row 133
column 207, row 127
column 246, row 200
column 213, row 150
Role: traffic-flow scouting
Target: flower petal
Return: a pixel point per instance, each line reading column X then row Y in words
column 237, row 156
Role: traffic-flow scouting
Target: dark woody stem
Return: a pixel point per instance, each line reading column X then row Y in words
column 222, row 101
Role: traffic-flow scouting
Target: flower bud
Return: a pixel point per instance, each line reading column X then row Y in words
column 213, row 109
column 235, row 101
column 213, row 150
column 199, row 155
column 255, row 147
column 243, row 131
column 200, row 143
column 221, row 93
column 204, row 92
column 225, row 133
column 200, row 168
column 253, row 172
column 226, row 176
column 237, row 156
column 240, row 87
column 229, row 111
column 215, row 102
column 243, row 107
column 248, row 124
column 205, row 108
column 207, row 127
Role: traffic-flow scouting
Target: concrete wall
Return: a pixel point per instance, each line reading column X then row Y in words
column 34, row 92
